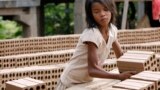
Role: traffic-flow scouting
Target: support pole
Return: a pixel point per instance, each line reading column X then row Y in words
column 125, row 11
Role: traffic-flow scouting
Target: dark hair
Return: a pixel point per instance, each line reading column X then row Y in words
column 109, row 4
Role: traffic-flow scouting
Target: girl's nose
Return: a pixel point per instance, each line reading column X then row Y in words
column 103, row 13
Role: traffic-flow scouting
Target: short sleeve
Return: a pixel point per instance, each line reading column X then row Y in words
column 91, row 35
column 114, row 31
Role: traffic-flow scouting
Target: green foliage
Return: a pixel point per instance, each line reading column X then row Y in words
column 131, row 15
column 9, row 29
column 56, row 20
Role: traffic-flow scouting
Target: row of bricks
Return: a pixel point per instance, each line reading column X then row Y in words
column 153, row 46
column 141, row 36
column 44, row 58
column 25, row 84
column 62, row 42
column 49, row 73
column 109, row 84
column 45, row 73
column 146, row 80
column 37, row 44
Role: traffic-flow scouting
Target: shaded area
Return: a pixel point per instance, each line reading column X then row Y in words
column 148, row 11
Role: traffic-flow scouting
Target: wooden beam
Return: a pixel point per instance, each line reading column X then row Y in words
column 19, row 3
column 56, row 1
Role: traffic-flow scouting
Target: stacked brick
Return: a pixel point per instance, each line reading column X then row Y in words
column 63, row 42
column 152, row 46
column 158, row 61
column 37, row 44
column 139, row 35
column 49, row 74
column 96, row 84
column 110, row 64
column 132, row 84
column 43, row 58
column 139, row 39
column 35, row 71
column 145, row 80
column 149, row 76
column 25, row 84
column 137, row 61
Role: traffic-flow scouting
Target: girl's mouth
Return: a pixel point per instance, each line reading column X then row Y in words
column 104, row 19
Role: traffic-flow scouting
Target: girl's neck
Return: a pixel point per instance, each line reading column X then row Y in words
column 103, row 29
column 105, row 33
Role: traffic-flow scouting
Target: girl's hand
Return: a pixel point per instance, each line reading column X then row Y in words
column 126, row 75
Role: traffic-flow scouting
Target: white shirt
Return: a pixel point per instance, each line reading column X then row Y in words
column 76, row 70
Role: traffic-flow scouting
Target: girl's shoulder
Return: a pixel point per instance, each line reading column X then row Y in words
column 91, row 35
column 91, row 31
column 113, row 28
column 114, row 31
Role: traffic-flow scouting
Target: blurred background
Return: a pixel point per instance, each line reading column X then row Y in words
column 58, row 18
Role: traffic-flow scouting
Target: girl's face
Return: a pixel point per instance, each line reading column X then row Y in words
column 101, row 14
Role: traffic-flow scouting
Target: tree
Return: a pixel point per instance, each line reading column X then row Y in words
column 58, row 19
column 9, row 29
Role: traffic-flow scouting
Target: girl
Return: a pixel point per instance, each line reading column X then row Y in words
column 94, row 46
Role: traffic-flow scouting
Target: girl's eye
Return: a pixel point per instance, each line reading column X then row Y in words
column 105, row 9
column 96, row 11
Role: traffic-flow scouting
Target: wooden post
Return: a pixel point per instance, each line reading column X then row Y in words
column 31, row 21
column 79, row 16
column 140, row 9
column 125, row 11
column 41, row 18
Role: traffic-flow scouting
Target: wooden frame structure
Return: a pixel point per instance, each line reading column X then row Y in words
column 23, row 11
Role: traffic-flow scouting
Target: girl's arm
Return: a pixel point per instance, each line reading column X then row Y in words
column 95, row 70
column 117, row 49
